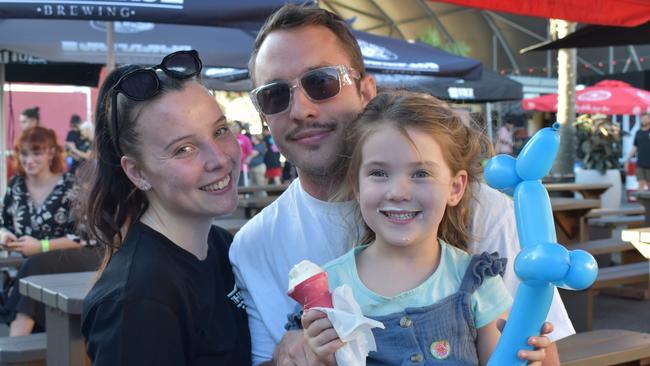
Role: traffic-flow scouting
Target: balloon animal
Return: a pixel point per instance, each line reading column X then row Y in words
column 542, row 263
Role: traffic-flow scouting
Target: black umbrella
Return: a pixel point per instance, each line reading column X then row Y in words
column 147, row 43
column 597, row 36
column 391, row 55
column 492, row 87
column 238, row 14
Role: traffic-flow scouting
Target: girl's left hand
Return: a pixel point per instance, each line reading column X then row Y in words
column 26, row 245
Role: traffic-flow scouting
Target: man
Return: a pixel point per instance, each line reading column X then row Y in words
column 297, row 50
column 642, row 147
column 504, row 139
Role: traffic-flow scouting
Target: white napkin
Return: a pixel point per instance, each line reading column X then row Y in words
column 352, row 328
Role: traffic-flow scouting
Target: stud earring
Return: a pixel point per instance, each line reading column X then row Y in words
column 144, row 186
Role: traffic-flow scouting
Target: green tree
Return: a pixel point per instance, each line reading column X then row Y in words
column 431, row 37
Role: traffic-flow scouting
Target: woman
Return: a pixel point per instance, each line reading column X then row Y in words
column 37, row 223
column 167, row 164
column 31, row 117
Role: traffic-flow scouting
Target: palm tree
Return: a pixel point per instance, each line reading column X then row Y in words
column 566, row 80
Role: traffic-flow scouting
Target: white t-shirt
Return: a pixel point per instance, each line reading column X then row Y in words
column 296, row 226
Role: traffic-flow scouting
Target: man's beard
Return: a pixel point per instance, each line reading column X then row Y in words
column 328, row 173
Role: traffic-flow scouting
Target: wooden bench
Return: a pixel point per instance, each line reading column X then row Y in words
column 579, row 304
column 623, row 211
column 11, row 261
column 616, row 221
column 611, row 226
column 27, row 350
column 605, row 347
column 603, row 246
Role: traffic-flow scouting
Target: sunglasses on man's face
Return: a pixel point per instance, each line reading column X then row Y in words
column 317, row 84
column 143, row 84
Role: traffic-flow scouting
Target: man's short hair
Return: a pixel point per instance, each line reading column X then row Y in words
column 292, row 16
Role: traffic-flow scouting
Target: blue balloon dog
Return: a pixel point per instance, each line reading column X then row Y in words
column 542, row 263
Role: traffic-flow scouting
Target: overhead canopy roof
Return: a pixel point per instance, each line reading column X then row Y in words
column 494, row 38
column 597, row 36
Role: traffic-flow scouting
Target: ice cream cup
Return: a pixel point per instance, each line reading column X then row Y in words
column 313, row 292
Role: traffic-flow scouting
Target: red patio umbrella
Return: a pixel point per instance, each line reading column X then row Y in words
column 607, row 97
column 627, row 13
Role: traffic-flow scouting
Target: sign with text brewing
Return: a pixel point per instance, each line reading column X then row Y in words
column 248, row 14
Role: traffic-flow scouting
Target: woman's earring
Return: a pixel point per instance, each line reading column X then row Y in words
column 144, row 186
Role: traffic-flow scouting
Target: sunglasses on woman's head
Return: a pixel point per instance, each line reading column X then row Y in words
column 143, row 84
column 318, row 85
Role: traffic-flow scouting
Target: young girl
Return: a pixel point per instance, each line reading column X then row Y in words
column 410, row 172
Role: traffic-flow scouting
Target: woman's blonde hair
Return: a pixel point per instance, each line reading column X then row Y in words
column 462, row 146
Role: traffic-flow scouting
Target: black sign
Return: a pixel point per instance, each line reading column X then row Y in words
column 241, row 14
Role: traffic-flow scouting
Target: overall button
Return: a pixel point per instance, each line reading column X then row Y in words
column 405, row 322
column 417, row 358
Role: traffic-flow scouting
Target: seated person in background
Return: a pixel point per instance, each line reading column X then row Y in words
column 36, row 221
column 81, row 149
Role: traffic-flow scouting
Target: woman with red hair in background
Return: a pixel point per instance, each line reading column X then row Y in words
column 36, row 222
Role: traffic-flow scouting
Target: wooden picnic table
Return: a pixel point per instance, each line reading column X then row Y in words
column 63, row 296
column 640, row 238
column 569, row 214
column 587, row 190
column 253, row 205
column 644, row 200
column 270, row 189
column 231, row 224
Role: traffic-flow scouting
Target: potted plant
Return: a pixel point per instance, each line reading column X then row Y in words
column 599, row 149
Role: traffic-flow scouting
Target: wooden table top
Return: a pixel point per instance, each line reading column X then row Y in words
column 256, row 202
column 63, row 291
column 642, row 195
column 551, row 187
column 266, row 188
column 567, row 204
column 640, row 238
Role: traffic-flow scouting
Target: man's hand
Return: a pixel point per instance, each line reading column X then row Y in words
column 293, row 350
column 537, row 356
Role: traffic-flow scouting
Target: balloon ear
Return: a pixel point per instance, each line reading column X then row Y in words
column 536, row 158
column 500, row 172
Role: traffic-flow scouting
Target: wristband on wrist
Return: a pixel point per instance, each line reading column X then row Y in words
column 45, row 245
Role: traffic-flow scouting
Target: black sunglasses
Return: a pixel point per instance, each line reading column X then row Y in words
column 318, row 85
column 143, row 84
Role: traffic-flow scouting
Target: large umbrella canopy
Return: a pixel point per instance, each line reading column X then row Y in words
column 607, row 97
column 597, row 36
column 134, row 42
column 24, row 68
column 147, row 43
column 240, row 14
column 492, row 87
column 621, row 12
column 391, row 55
